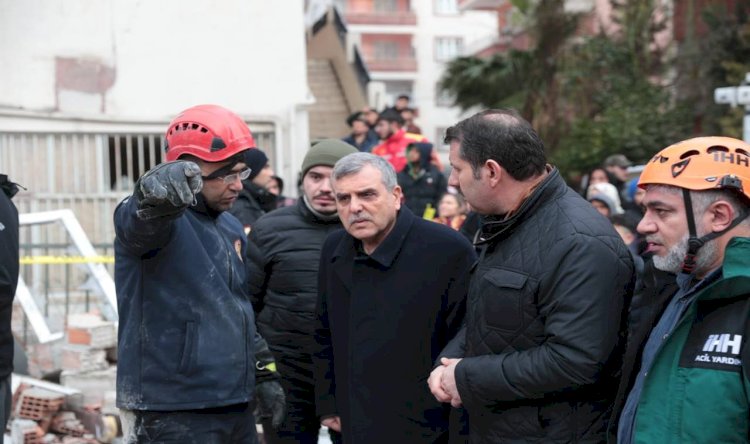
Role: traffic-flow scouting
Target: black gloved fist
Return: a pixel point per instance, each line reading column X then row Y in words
column 167, row 189
column 270, row 402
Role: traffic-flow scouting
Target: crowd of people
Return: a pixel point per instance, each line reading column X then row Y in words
column 396, row 302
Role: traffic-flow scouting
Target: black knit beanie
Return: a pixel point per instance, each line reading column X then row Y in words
column 255, row 159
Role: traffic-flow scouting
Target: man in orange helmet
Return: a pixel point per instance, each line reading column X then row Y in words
column 685, row 375
column 188, row 348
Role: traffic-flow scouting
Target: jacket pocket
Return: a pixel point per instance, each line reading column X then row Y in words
column 502, row 298
column 188, row 348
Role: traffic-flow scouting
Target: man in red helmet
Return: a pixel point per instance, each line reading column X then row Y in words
column 188, row 348
column 685, row 371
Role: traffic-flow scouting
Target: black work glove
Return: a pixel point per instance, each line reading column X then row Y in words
column 270, row 397
column 271, row 402
column 167, row 189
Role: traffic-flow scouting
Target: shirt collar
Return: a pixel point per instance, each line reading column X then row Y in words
column 385, row 254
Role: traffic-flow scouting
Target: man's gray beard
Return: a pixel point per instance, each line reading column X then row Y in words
column 672, row 262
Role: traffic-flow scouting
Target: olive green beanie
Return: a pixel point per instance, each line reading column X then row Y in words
column 326, row 152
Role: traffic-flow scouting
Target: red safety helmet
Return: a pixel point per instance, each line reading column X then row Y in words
column 208, row 132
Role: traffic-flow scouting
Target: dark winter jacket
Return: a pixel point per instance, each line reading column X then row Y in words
column 8, row 271
column 697, row 388
column 370, row 140
column 646, row 308
column 424, row 184
column 382, row 320
column 284, row 252
column 187, row 329
column 541, row 340
column 253, row 202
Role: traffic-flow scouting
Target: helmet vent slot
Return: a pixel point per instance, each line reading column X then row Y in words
column 717, row 148
column 689, row 153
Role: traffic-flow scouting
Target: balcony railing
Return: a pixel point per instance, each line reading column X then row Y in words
column 406, row 64
column 381, row 18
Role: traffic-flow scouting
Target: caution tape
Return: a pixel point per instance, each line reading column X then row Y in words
column 57, row 260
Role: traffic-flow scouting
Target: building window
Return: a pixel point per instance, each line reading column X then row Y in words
column 448, row 48
column 442, row 98
column 446, row 7
column 386, row 50
column 385, row 5
column 130, row 156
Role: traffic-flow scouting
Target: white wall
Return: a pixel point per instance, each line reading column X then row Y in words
column 167, row 55
column 472, row 26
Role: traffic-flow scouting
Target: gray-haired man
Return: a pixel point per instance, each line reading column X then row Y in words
column 392, row 293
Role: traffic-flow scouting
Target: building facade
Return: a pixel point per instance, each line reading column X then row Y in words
column 94, row 84
column 406, row 45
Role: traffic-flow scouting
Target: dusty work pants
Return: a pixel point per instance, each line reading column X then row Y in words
column 223, row 425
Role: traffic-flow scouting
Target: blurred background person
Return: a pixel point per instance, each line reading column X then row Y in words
column 394, row 139
column 421, row 182
column 604, row 197
column 362, row 136
column 276, row 187
column 255, row 200
column 411, row 127
column 617, row 171
column 371, row 116
column 452, row 211
column 597, row 175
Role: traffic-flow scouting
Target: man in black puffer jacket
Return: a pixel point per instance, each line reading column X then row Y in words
column 284, row 252
column 8, row 281
column 538, row 357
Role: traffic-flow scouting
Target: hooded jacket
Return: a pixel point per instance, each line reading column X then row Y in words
column 542, row 338
column 422, row 184
column 187, row 336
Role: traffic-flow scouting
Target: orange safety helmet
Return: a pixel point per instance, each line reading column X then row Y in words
column 702, row 163
column 208, row 132
column 699, row 164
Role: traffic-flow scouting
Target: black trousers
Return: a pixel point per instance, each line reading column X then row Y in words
column 222, row 425
column 301, row 424
column 5, row 398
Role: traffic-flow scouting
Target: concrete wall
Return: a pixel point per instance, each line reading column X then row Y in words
column 115, row 60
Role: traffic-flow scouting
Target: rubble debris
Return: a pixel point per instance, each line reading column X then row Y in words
column 67, row 423
column 37, row 403
column 91, row 330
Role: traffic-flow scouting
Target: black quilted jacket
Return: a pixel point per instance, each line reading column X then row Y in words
column 542, row 334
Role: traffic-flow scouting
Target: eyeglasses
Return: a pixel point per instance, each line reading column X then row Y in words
column 230, row 178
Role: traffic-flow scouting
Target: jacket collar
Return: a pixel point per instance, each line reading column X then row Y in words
column 311, row 216
column 734, row 273
column 495, row 225
column 387, row 251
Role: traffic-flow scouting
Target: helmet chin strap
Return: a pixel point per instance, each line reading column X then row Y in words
column 694, row 242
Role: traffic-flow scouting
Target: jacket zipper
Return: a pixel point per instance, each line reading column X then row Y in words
column 239, row 305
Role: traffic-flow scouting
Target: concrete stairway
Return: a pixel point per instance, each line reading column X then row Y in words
column 328, row 114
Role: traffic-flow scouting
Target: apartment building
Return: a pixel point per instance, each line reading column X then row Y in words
column 406, row 45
